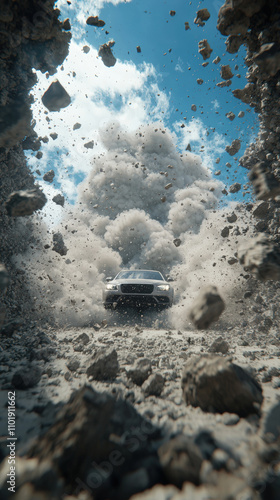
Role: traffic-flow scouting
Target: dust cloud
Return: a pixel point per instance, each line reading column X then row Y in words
column 140, row 195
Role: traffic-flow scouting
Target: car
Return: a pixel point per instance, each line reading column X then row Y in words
column 138, row 287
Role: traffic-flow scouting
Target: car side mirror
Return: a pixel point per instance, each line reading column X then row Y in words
column 170, row 280
column 109, row 279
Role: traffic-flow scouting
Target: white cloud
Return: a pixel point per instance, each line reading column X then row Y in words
column 81, row 10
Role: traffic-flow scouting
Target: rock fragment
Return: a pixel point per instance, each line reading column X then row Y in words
column 216, row 60
column 241, row 114
column 233, row 43
column 265, row 184
column 172, row 13
column 181, row 460
column 56, row 97
column 66, row 24
column 234, row 147
column 89, row 145
column 268, row 59
column 106, row 54
column 86, row 49
column 154, row 385
column 138, row 48
column 104, row 365
column 58, row 244
column 261, row 256
column 199, row 81
column 94, row 21
column 177, row 242
column 219, row 345
column 225, row 232
column 271, row 424
column 261, row 210
column 26, row 377
column 21, row 203
column 232, row 218
column 193, row 107
column 207, row 308
column 59, row 199
column 49, row 176
column 226, row 73
column 140, row 371
column 215, row 384
column 202, row 15
column 204, row 49
column 76, row 126
column 230, row 116
column 187, row 26
column 234, row 188
column 54, row 136
column 73, row 364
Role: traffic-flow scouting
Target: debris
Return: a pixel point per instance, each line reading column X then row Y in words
column 86, row 49
column 204, row 49
column 59, row 199
column 66, row 24
column 226, row 73
column 265, row 184
column 181, row 460
column 201, row 16
column 21, row 203
column 187, row 26
column 56, row 97
column 206, row 308
column 76, row 126
column 154, row 385
column 268, row 59
column 232, row 218
column 138, row 48
column 199, row 81
column 241, row 114
column 168, row 186
column 89, row 145
column 219, row 345
column 49, row 176
column 261, row 256
column 216, row 60
column 106, row 54
column 230, row 116
column 225, row 232
column 234, row 188
column 4, row 278
column 172, row 13
column 27, row 376
column 234, row 147
column 193, row 107
column 215, row 384
column 54, row 136
column 140, row 371
column 177, row 242
column 234, row 42
column 58, row 244
column 94, row 21
column 104, row 365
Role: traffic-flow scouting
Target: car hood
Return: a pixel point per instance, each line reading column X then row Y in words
column 139, row 281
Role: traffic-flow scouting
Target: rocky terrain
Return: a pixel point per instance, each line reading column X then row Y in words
column 123, row 409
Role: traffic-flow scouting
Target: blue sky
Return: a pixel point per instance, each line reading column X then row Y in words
column 156, row 85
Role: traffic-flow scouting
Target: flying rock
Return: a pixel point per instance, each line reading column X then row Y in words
column 187, row 26
column 199, row 81
column 138, row 48
column 56, row 97
column 58, row 244
column 268, row 59
column 201, row 16
column 216, row 60
column 204, row 49
column 94, row 21
column 233, row 43
column 207, row 308
column 177, row 242
column 106, row 54
column 76, row 126
column 234, row 147
column 215, row 384
column 234, row 188
column 21, row 203
column 49, row 176
column 226, row 73
column 59, row 199
column 230, row 116
column 261, row 257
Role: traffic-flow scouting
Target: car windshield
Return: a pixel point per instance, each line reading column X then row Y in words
column 136, row 275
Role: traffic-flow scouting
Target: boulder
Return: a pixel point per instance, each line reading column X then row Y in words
column 59, row 199
column 207, row 307
column 49, row 176
column 104, row 365
column 94, row 21
column 21, row 203
column 234, row 147
column 234, row 188
column 204, row 49
column 219, row 345
column 226, row 73
column 56, row 97
column 202, row 15
column 215, row 384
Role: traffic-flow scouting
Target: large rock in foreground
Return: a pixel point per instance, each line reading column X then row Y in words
column 216, row 385
column 105, row 365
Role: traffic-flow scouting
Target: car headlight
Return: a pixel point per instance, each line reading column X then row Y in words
column 163, row 288
column 111, row 287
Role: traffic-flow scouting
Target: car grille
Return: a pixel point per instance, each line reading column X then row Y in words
column 137, row 288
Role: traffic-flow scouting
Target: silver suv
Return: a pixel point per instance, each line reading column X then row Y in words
column 140, row 287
